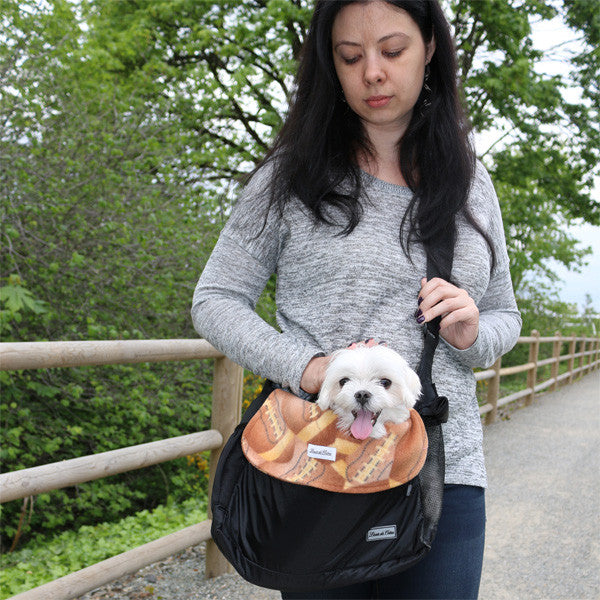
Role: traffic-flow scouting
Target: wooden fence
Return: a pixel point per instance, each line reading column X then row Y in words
column 226, row 411
column 580, row 361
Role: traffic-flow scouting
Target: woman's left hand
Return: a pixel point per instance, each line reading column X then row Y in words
column 460, row 316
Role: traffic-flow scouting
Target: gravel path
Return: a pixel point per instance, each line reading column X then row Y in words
column 543, row 531
column 180, row 577
column 543, row 499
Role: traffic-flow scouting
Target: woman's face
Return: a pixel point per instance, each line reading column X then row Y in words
column 380, row 57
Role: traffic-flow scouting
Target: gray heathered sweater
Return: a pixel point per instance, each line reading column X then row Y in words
column 333, row 290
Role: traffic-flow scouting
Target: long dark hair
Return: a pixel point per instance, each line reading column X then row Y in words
column 315, row 150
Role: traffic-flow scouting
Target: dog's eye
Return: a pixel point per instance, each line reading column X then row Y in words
column 344, row 381
column 386, row 383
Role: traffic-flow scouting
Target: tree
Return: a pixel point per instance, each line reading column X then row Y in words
column 544, row 166
column 227, row 67
column 98, row 242
column 93, row 194
column 230, row 67
column 590, row 317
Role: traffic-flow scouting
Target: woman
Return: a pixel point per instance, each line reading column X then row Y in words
column 372, row 172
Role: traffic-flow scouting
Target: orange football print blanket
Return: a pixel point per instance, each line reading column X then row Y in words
column 294, row 440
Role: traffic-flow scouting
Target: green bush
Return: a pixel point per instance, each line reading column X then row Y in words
column 60, row 414
column 70, row 551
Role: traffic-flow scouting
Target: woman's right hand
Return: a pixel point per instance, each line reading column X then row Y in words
column 314, row 374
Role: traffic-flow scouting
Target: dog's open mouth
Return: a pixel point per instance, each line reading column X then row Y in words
column 364, row 420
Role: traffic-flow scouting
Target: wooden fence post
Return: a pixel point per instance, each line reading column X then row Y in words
column 534, row 351
column 590, row 360
column 572, row 347
column 493, row 393
column 555, row 355
column 228, row 380
column 582, row 357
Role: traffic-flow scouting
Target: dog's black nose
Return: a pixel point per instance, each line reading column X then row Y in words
column 362, row 397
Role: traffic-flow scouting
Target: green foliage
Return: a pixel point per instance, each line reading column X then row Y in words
column 237, row 60
column 545, row 312
column 96, row 219
column 70, row 551
column 542, row 310
column 15, row 301
column 101, row 240
column 545, row 156
column 96, row 410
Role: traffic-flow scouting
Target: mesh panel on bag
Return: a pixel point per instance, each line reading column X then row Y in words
column 432, row 477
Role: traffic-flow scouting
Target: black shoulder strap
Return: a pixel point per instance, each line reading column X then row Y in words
column 431, row 406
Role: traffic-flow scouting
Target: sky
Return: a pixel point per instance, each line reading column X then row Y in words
column 575, row 285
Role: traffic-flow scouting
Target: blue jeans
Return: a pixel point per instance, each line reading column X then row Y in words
column 451, row 570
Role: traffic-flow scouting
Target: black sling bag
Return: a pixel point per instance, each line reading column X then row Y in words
column 287, row 536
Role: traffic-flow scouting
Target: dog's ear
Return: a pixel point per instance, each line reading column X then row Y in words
column 324, row 398
column 411, row 387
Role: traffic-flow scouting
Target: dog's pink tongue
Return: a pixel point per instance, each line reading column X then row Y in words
column 362, row 426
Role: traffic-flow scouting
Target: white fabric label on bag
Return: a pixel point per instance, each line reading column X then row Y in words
column 387, row 532
column 321, row 452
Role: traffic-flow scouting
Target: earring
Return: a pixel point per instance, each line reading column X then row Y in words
column 426, row 92
column 426, row 80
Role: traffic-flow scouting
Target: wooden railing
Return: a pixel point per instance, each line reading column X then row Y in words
column 226, row 411
column 581, row 361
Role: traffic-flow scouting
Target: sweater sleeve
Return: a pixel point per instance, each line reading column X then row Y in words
column 499, row 318
column 223, row 308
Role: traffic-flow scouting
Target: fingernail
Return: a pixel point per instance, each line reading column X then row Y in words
column 419, row 300
column 418, row 313
column 421, row 319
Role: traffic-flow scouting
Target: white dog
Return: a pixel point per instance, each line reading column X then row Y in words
column 367, row 387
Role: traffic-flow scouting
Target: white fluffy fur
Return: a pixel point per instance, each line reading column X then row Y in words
column 365, row 368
